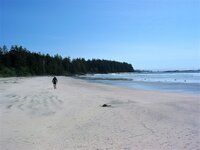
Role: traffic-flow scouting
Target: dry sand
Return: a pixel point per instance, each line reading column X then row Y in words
column 34, row 116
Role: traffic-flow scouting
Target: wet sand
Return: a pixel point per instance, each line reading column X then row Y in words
column 35, row 116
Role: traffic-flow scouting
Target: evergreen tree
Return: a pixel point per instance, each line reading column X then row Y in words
column 18, row 61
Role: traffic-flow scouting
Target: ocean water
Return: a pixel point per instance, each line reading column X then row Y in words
column 188, row 82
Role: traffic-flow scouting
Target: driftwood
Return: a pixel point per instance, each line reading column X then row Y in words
column 106, row 105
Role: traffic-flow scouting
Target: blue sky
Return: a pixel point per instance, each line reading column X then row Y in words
column 150, row 34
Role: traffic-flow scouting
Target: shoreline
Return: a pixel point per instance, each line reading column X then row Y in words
column 164, row 82
column 35, row 116
column 179, row 88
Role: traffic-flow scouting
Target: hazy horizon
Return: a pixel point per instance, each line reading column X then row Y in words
column 149, row 34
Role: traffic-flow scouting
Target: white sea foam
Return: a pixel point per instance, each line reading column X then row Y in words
column 173, row 82
column 150, row 77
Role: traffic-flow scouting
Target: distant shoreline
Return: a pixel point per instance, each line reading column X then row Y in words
column 168, row 71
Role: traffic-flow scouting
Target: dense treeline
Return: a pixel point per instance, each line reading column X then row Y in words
column 18, row 61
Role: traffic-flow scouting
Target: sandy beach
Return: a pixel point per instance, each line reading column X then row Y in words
column 34, row 116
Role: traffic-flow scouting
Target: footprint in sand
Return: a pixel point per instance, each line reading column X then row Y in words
column 9, row 106
column 35, row 104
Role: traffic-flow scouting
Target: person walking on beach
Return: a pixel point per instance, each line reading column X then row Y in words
column 54, row 81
